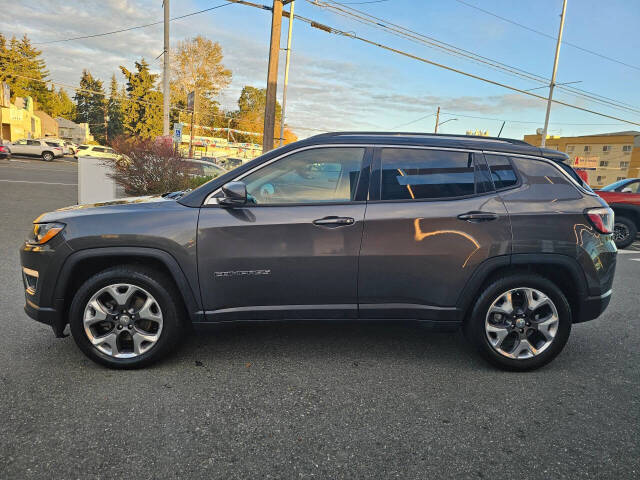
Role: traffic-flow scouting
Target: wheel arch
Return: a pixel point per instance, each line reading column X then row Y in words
column 562, row 270
column 84, row 263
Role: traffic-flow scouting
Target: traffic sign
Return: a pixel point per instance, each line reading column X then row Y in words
column 177, row 132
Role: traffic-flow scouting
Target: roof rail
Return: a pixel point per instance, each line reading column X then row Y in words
column 420, row 134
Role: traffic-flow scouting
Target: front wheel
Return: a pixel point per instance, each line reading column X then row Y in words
column 126, row 317
column 47, row 156
column 521, row 322
column 624, row 232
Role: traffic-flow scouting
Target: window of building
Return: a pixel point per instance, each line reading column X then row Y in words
column 412, row 174
column 570, row 148
column 604, row 163
column 624, row 164
column 626, row 148
column 606, row 148
column 587, row 148
column 620, row 178
column 599, row 179
column 312, row 176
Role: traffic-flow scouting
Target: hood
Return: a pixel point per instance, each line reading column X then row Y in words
column 113, row 206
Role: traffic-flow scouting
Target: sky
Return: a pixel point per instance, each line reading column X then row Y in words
column 338, row 83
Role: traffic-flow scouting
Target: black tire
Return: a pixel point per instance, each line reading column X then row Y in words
column 474, row 327
column 154, row 282
column 625, row 224
column 47, row 156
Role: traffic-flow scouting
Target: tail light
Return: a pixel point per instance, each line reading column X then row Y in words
column 601, row 219
column 3, row 149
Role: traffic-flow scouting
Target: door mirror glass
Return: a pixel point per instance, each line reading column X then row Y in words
column 234, row 194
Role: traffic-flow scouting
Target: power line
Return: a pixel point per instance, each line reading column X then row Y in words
column 398, row 30
column 412, row 121
column 133, row 28
column 547, row 35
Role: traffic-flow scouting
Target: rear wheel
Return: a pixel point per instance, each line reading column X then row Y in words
column 126, row 317
column 624, row 232
column 520, row 322
column 47, row 156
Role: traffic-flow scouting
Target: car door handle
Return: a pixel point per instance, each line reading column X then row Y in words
column 333, row 221
column 478, row 216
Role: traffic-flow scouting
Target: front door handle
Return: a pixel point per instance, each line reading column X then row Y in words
column 334, row 221
column 478, row 216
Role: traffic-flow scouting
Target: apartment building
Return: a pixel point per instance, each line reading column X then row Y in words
column 606, row 157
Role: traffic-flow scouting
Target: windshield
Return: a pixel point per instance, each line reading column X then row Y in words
column 614, row 185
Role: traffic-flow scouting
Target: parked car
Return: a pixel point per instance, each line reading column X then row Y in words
column 54, row 142
column 623, row 197
column 204, row 168
column 491, row 235
column 98, row 151
column 5, row 152
column 37, row 148
column 73, row 148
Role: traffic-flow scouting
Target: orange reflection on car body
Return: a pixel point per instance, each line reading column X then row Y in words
column 420, row 235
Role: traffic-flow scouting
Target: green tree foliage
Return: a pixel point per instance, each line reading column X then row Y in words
column 22, row 67
column 62, row 105
column 142, row 110
column 114, row 110
column 250, row 115
column 91, row 104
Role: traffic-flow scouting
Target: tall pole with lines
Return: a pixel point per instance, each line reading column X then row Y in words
column 165, row 72
column 553, row 75
column 286, row 74
column 268, row 132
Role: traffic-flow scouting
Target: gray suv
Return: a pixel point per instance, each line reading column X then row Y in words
column 492, row 235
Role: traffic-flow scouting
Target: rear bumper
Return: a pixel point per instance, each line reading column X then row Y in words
column 592, row 307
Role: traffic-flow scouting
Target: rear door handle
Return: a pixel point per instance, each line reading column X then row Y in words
column 478, row 216
column 333, row 221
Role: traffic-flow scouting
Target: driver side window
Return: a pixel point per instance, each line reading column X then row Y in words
column 317, row 175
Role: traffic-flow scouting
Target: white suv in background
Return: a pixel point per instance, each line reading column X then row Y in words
column 37, row 148
column 97, row 151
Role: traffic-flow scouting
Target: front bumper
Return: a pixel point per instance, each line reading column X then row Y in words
column 40, row 269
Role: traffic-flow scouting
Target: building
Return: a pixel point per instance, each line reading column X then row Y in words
column 18, row 120
column 74, row 132
column 48, row 124
column 607, row 157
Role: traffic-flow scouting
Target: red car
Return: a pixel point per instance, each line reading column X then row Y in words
column 623, row 197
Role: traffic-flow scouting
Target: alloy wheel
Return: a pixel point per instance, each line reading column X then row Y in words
column 620, row 232
column 122, row 320
column 521, row 323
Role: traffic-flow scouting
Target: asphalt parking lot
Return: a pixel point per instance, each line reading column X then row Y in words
column 314, row 400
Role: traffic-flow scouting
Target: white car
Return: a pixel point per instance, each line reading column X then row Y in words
column 97, row 151
column 202, row 168
column 56, row 142
column 37, row 148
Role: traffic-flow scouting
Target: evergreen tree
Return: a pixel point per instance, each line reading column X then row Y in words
column 62, row 105
column 91, row 105
column 114, row 110
column 142, row 111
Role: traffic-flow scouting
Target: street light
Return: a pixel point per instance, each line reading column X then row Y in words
column 450, row 120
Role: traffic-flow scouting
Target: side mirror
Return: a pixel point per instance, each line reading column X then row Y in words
column 234, row 194
column 627, row 190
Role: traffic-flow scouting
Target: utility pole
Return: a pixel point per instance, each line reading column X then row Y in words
column 268, row 132
column 106, row 124
column 286, row 74
column 553, row 75
column 435, row 130
column 165, row 73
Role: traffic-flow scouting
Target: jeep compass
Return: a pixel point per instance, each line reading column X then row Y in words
column 492, row 235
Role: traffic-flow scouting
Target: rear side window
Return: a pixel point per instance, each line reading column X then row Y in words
column 501, row 170
column 83, row 147
column 414, row 174
column 99, row 149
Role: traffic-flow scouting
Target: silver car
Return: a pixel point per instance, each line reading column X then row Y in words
column 37, row 148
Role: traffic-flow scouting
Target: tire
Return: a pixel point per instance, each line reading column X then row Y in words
column 625, row 232
column 481, row 331
column 161, row 327
column 47, row 156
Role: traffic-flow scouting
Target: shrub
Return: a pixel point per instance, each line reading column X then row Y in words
column 147, row 167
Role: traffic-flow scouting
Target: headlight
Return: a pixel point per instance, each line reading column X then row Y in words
column 43, row 232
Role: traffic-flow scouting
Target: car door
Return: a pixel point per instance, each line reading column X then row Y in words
column 34, row 147
column 292, row 252
column 20, row 147
column 432, row 219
